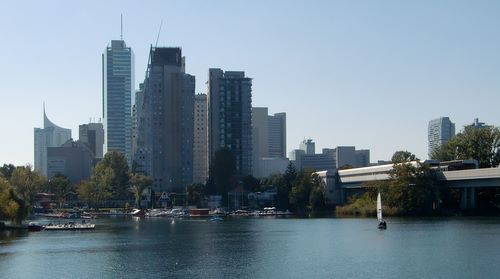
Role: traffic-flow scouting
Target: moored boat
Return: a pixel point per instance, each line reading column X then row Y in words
column 70, row 226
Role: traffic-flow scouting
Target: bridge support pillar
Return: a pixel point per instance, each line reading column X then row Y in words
column 468, row 198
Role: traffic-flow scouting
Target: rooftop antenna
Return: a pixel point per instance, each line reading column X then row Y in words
column 158, row 37
column 121, row 27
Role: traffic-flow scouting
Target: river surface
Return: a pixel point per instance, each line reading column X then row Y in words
column 258, row 248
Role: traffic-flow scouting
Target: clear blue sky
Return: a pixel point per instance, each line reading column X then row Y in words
column 364, row 73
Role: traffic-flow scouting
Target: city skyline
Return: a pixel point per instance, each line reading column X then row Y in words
column 347, row 77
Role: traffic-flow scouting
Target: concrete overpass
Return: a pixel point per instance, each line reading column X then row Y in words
column 338, row 183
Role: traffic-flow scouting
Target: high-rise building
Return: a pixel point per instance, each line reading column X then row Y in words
column 50, row 136
column 277, row 135
column 200, row 146
column 230, row 116
column 269, row 140
column 308, row 146
column 260, row 136
column 117, row 90
column 440, row 131
column 165, row 120
column 93, row 135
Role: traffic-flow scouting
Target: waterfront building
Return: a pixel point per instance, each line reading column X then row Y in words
column 165, row 122
column 93, row 135
column 200, row 146
column 74, row 159
column 50, row 135
column 440, row 131
column 118, row 87
column 268, row 136
column 230, row 116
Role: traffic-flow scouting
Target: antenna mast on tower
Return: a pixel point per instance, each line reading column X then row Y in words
column 121, row 27
column 158, row 37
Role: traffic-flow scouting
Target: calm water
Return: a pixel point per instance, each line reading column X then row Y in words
column 259, row 248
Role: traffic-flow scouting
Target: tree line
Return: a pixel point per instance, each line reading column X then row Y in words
column 110, row 179
column 413, row 189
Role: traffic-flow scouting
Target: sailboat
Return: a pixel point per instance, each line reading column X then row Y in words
column 381, row 222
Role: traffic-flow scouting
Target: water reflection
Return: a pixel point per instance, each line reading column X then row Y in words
column 258, row 248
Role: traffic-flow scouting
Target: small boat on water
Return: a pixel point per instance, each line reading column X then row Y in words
column 70, row 226
column 35, row 227
column 137, row 212
column 382, row 225
column 216, row 218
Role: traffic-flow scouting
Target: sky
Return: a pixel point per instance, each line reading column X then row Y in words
column 364, row 73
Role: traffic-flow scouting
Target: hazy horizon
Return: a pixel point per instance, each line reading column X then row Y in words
column 362, row 73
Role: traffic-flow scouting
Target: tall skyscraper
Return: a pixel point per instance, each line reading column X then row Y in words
column 50, row 136
column 277, row 135
column 93, row 135
column 117, row 88
column 440, row 131
column 230, row 116
column 165, row 122
column 200, row 146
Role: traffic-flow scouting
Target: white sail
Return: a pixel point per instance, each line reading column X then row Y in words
column 379, row 207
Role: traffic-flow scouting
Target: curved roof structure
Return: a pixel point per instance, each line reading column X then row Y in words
column 47, row 123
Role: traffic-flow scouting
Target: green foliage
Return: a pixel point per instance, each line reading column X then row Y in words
column 87, row 192
column 403, row 156
column 222, row 171
column 195, row 193
column 7, row 170
column 27, row 183
column 364, row 206
column 481, row 144
column 12, row 207
column 139, row 182
column 251, row 184
column 307, row 193
column 59, row 185
column 114, row 164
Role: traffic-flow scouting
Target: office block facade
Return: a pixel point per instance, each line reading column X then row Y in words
column 165, row 122
column 93, row 135
column 118, row 87
column 230, row 116
column 200, row 145
column 440, row 131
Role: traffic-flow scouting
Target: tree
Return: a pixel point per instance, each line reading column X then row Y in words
column 60, row 186
column 251, row 184
column 402, row 157
column 27, row 183
column 195, row 193
column 222, row 169
column 139, row 182
column 87, row 192
column 101, row 182
column 11, row 206
column 119, row 182
column 317, row 196
column 299, row 194
column 284, row 185
column 482, row 144
column 7, row 170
